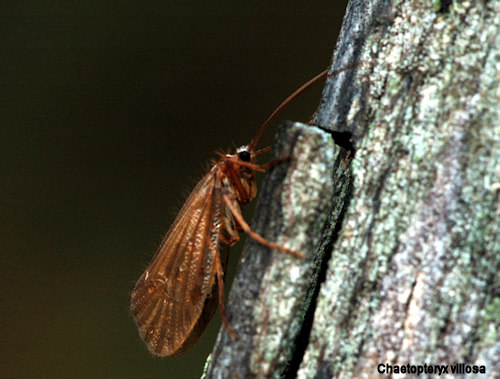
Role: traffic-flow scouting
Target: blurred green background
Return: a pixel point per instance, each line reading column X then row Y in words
column 109, row 113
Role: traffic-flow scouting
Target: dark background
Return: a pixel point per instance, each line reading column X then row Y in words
column 109, row 113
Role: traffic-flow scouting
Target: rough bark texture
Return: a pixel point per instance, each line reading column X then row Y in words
column 413, row 274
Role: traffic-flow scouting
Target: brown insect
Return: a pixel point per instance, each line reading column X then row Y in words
column 176, row 297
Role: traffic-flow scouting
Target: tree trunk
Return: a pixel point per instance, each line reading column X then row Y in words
column 399, row 225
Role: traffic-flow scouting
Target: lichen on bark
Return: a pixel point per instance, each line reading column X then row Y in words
column 414, row 274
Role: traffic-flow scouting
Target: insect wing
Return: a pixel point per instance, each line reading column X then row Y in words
column 168, row 301
column 209, row 309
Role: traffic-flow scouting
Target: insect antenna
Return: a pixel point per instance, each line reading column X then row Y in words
column 311, row 83
column 321, row 77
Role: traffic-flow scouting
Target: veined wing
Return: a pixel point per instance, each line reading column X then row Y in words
column 169, row 298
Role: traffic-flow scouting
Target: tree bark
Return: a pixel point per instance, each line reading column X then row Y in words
column 399, row 224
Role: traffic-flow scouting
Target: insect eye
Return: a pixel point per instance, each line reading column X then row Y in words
column 244, row 156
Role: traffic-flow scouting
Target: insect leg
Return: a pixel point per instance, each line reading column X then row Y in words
column 263, row 150
column 254, row 235
column 276, row 162
column 264, row 167
column 220, row 284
